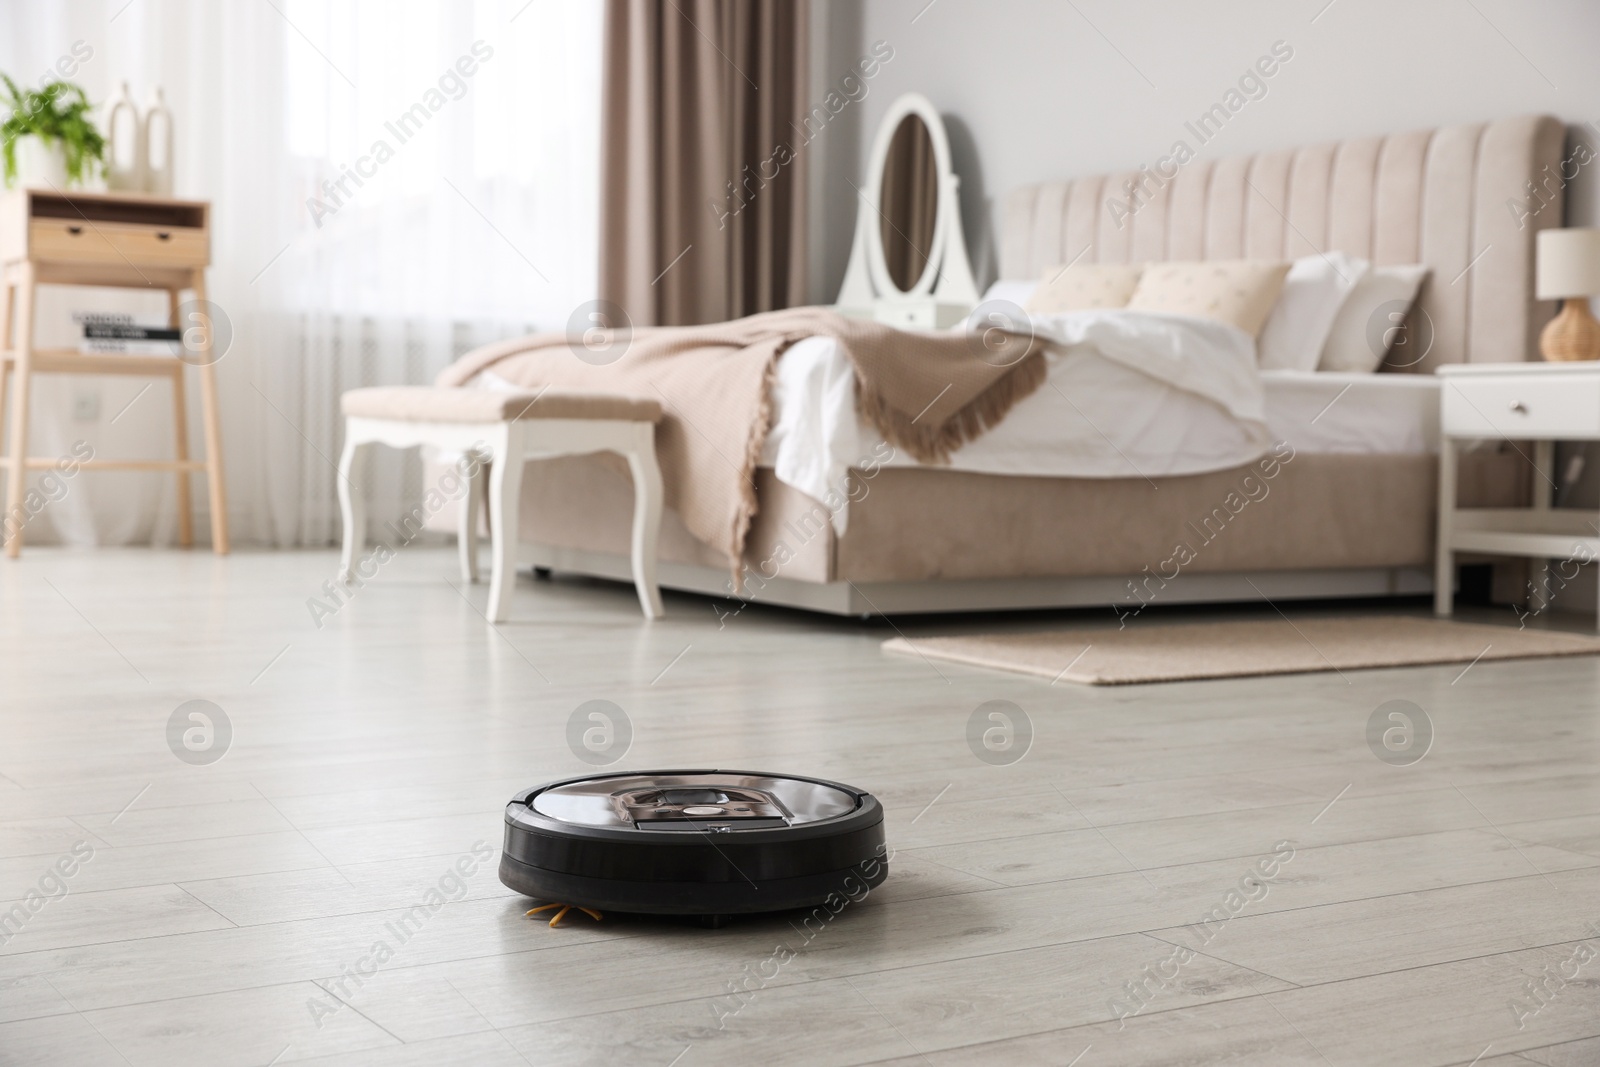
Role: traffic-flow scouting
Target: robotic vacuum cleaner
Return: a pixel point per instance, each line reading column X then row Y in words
column 706, row 843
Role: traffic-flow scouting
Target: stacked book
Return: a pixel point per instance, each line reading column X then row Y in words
column 119, row 333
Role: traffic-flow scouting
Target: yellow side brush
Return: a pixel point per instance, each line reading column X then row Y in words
column 561, row 912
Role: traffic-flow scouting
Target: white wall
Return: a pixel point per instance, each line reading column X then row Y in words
column 1033, row 90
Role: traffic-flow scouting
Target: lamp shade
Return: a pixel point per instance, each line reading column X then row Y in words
column 1568, row 263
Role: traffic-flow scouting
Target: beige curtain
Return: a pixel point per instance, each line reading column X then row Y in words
column 702, row 204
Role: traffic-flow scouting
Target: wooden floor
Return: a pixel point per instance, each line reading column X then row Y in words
column 241, row 912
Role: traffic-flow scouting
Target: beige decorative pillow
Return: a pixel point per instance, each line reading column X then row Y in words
column 1240, row 292
column 1084, row 286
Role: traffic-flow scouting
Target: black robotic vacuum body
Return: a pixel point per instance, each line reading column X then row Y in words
column 699, row 842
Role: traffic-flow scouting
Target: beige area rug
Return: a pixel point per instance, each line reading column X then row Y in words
column 1232, row 649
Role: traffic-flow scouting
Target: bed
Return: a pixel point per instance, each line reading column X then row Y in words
column 1348, row 512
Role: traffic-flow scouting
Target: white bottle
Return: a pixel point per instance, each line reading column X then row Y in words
column 125, row 158
column 158, row 146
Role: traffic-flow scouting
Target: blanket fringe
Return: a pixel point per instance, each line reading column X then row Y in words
column 748, row 502
column 928, row 443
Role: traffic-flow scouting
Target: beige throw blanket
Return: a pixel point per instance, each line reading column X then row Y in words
column 927, row 393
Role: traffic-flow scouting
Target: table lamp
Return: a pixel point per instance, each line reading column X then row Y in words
column 1569, row 269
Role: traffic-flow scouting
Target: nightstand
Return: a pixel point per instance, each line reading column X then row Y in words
column 1531, row 406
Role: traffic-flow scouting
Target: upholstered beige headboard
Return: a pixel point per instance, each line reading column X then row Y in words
column 1454, row 198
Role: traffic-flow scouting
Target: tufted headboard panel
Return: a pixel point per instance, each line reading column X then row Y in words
column 1466, row 200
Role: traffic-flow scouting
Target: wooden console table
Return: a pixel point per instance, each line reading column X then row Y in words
column 121, row 240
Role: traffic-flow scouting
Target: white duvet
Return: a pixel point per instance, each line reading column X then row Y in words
column 1128, row 394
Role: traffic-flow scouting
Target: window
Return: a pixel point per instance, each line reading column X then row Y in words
column 448, row 156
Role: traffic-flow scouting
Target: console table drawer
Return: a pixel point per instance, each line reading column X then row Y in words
column 1551, row 406
column 69, row 241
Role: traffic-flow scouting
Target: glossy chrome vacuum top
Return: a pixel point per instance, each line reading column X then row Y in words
column 697, row 800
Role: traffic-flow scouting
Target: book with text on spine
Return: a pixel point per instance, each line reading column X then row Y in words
column 124, row 336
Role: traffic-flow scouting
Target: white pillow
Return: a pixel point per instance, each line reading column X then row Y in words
column 1349, row 347
column 1018, row 292
column 1298, row 327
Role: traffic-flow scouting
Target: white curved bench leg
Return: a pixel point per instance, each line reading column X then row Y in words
column 352, row 509
column 471, row 505
column 647, row 504
column 505, row 499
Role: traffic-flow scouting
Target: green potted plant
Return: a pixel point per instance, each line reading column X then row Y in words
column 49, row 129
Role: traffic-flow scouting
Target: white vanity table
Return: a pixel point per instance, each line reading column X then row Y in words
column 915, row 313
column 908, row 261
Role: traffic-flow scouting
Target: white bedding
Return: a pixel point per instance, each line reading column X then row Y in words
column 1135, row 394
column 1331, row 411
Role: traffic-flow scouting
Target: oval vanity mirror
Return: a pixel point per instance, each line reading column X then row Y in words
column 908, row 262
column 908, row 198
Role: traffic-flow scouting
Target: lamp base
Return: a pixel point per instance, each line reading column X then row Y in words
column 1572, row 335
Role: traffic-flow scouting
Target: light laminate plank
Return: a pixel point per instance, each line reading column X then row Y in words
column 1011, row 994
column 36, row 837
column 1577, row 833
column 488, row 1049
column 823, row 1023
column 1246, row 1033
column 1571, row 1054
column 78, row 919
column 54, row 1041
column 192, row 822
column 30, row 997
column 223, row 960
column 1333, row 942
column 142, row 865
column 238, row 1029
column 1468, row 1006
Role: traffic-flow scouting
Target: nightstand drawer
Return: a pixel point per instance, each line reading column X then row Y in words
column 1549, row 406
column 81, row 241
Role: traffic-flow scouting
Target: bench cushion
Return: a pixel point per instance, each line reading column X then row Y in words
column 426, row 403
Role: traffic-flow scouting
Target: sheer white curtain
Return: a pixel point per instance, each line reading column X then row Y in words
column 393, row 183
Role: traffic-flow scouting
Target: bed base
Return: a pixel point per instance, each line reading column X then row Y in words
column 998, row 594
